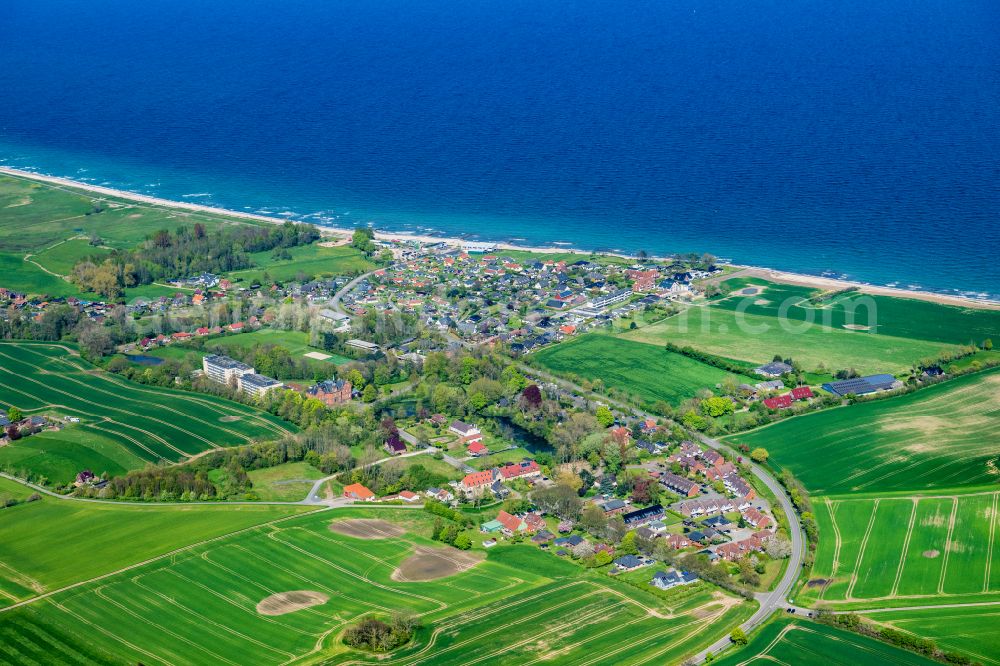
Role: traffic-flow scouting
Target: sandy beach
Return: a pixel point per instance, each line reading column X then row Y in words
column 744, row 271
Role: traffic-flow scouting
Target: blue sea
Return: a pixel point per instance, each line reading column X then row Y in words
column 856, row 138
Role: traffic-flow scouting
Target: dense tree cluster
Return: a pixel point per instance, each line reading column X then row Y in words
column 379, row 636
column 187, row 251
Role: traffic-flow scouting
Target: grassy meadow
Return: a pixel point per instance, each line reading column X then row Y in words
column 803, row 643
column 646, row 371
column 942, row 436
column 59, row 456
column 38, row 215
column 310, row 260
column 284, row 483
column 757, row 338
column 200, row 606
column 38, row 377
column 884, row 315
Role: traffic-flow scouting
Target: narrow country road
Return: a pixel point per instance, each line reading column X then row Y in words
column 769, row 601
column 313, row 497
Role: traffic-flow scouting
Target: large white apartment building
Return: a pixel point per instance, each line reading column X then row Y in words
column 223, row 369
column 258, row 385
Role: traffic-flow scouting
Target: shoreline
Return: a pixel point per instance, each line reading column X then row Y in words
column 776, row 275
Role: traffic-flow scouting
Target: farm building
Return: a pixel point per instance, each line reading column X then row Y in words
column 863, row 385
column 773, row 369
column 356, row 491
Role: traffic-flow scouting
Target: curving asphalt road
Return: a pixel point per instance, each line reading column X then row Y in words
column 777, row 599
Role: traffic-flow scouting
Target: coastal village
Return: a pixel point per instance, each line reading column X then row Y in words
column 417, row 383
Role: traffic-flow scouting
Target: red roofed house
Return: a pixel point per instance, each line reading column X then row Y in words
column 621, row 435
column 408, row 496
column 511, row 524
column 802, row 393
column 678, row 541
column 779, row 402
column 534, row 522
column 477, row 449
column 756, row 519
column 524, row 469
column 236, row 327
column 356, row 491
column 567, row 329
column 477, row 482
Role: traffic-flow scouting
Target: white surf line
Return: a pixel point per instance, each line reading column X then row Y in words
column 989, row 545
column 905, row 550
column 947, row 544
column 861, row 552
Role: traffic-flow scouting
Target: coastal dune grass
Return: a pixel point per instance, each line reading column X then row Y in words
column 200, row 606
column 150, row 424
column 942, row 436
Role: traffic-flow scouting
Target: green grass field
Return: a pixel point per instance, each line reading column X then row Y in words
column 943, row 436
column 59, row 456
column 150, row 424
column 905, row 551
column 38, row 215
column 758, row 337
column 310, row 260
column 793, row 642
column 61, row 257
column 885, row 315
column 25, row 277
column 199, row 606
column 648, row 372
column 971, row 630
column 52, row 543
column 284, row 483
column 296, row 342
